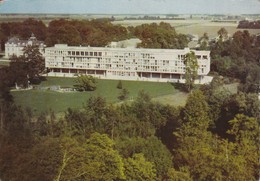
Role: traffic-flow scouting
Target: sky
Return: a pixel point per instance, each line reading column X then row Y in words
column 131, row 6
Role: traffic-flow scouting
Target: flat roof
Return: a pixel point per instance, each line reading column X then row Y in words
column 148, row 50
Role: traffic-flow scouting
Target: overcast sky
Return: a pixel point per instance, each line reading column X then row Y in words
column 132, row 6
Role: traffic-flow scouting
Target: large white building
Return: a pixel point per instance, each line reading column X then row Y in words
column 124, row 63
column 15, row 46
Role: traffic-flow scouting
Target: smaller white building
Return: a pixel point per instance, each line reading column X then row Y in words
column 15, row 46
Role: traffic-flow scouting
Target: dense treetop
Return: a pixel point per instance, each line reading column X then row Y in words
column 99, row 32
column 245, row 24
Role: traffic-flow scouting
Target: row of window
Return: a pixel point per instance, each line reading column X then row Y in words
column 83, row 53
column 115, row 54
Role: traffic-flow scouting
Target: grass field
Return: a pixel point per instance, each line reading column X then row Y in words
column 192, row 26
column 44, row 100
column 4, row 63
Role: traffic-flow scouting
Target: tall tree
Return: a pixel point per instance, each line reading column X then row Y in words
column 204, row 41
column 29, row 66
column 193, row 149
column 223, row 34
column 191, row 70
column 246, row 135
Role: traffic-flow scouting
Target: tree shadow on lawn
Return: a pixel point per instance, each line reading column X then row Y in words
column 179, row 86
column 37, row 81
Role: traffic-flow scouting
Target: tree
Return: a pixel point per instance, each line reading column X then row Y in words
column 137, row 168
column 41, row 162
column 106, row 163
column 175, row 175
column 152, row 149
column 160, row 36
column 193, row 148
column 119, row 85
column 196, row 109
column 223, row 34
column 29, row 66
column 246, row 137
column 204, row 41
column 89, row 159
column 5, row 84
column 123, row 94
column 86, row 83
column 191, row 70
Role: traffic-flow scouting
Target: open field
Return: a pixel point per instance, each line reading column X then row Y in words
column 192, row 26
column 44, row 100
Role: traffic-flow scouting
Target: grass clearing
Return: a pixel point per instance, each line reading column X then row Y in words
column 232, row 88
column 4, row 63
column 44, row 100
column 177, row 99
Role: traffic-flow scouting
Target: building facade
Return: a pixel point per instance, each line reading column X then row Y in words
column 15, row 46
column 124, row 63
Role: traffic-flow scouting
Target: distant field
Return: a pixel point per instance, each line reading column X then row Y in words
column 40, row 100
column 191, row 26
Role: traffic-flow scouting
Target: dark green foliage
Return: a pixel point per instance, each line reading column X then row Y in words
column 172, row 115
column 246, row 137
column 44, row 159
column 92, row 159
column 191, row 70
column 152, row 149
column 229, row 106
column 223, row 34
column 178, row 175
column 92, row 33
column 23, row 30
column 137, row 168
column 238, row 58
column 86, row 83
column 119, row 85
column 142, row 118
column 204, row 42
column 245, row 24
column 27, row 67
column 206, row 156
column 123, row 94
column 71, row 32
column 5, row 83
column 160, row 36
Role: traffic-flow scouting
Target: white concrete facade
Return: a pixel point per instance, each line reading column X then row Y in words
column 163, row 65
column 15, row 46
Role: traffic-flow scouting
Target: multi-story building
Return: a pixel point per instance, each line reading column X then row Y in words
column 15, row 46
column 124, row 63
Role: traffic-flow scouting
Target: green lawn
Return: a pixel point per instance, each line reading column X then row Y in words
column 4, row 63
column 43, row 100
